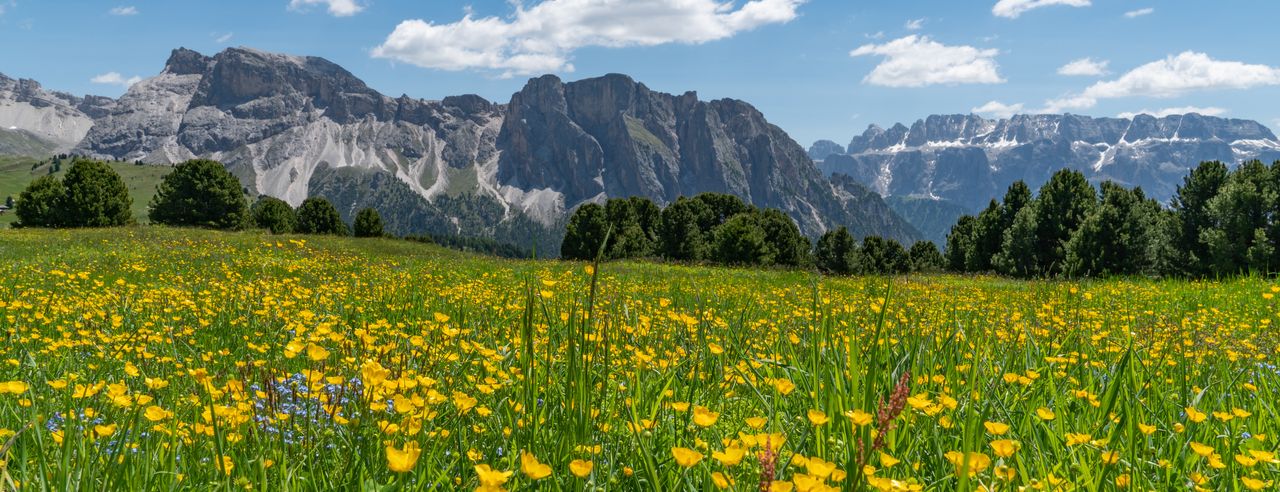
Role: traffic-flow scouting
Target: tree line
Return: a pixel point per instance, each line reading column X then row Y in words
column 719, row 228
column 1220, row 222
column 197, row 193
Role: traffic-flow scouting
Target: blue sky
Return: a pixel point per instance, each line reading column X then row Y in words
column 817, row 68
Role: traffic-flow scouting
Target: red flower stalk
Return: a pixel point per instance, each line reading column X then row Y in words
column 768, row 464
column 885, row 414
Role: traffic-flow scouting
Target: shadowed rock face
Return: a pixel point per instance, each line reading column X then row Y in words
column 614, row 137
column 183, row 61
column 276, row 120
column 969, row 160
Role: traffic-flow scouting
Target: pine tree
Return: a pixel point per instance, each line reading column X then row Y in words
column 790, row 247
column 1238, row 216
column 367, row 224
column 40, row 203
column 1191, row 214
column 925, row 257
column 96, row 196
column 274, row 214
column 960, row 243
column 635, row 227
column 200, row 193
column 1114, row 239
column 1062, row 205
column 836, row 252
column 741, row 241
column 317, row 215
column 1018, row 250
column 882, row 256
column 988, row 234
column 585, row 233
column 680, row 233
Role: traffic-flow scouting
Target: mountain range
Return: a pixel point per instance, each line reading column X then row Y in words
column 293, row 127
column 947, row 165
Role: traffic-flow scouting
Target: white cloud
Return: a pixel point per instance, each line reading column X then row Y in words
column 876, row 35
column 114, row 78
column 124, row 11
column 1139, row 13
column 223, row 38
column 1014, row 8
column 336, row 8
column 1171, row 77
column 1085, row 66
column 917, row 61
column 998, row 109
column 914, row 24
column 542, row 38
column 1161, row 113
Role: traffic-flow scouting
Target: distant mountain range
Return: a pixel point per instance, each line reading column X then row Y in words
column 293, row 127
column 947, row 165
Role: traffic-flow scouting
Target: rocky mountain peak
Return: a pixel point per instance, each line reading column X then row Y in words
column 244, row 75
column 470, row 104
column 183, row 61
column 823, row 148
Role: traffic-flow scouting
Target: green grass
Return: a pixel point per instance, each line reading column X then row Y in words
column 16, row 173
column 22, row 143
column 461, row 181
column 143, row 358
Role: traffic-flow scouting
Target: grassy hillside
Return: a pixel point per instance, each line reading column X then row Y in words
column 21, row 142
column 148, row 358
column 17, row 172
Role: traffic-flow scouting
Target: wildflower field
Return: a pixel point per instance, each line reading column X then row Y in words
column 160, row 359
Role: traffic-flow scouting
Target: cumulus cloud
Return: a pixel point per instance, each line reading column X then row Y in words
column 914, row 24
column 1084, row 66
column 917, row 61
column 124, row 10
column 1013, row 8
column 1160, row 113
column 998, row 109
column 336, row 8
column 1139, row 13
column 1172, row 77
column 542, row 38
column 114, row 78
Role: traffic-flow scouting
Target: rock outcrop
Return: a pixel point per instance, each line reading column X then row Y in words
column 56, row 119
column 614, row 137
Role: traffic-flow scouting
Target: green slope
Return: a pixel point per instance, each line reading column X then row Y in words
column 22, row 143
column 17, row 172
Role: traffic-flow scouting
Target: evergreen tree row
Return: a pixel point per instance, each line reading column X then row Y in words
column 710, row 227
column 197, row 193
column 1221, row 222
column 838, row 253
column 722, row 229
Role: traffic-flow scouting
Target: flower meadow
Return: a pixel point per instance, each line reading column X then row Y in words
column 163, row 359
